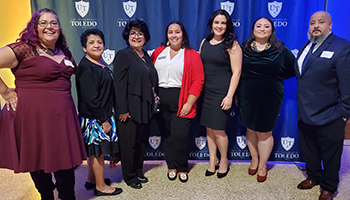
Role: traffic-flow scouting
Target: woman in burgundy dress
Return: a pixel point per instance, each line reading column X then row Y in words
column 39, row 126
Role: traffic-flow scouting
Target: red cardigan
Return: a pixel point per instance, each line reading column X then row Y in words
column 192, row 78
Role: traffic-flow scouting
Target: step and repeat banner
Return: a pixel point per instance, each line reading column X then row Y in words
column 290, row 18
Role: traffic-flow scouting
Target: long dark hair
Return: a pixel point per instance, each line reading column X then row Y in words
column 30, row 34
column 185, row 40
column 229, row 35
column 274, row 42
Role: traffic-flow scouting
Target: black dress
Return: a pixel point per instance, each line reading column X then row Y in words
column 260, row 91
column 218, row 73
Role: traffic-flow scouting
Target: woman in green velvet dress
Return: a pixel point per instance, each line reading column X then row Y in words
column 266, row 63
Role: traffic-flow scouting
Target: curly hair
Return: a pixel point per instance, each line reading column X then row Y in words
column 136, row 23
column 229, row 35
column 84, row 36
column 185, row 40
column 274, row 42
column 30, row 34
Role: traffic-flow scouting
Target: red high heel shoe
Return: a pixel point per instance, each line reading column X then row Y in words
column 262, row 178
column 252, row 171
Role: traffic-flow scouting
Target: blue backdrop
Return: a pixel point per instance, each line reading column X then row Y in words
column 290, row 18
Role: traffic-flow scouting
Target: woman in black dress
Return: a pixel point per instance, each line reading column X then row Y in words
column 95, row 105
column 222, row 60
column 266, row 63
column 135, row 81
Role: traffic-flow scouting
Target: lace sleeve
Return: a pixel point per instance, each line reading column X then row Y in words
column 22, row 50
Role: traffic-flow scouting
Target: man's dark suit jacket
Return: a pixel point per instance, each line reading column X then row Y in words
column 323, row 92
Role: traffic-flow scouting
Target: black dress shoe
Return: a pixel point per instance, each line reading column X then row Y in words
column 142, row 179
column 209, row 173
column 90, row 186
column 222, row 175
column 307, row 184
column 135, row 185
column 116, row 191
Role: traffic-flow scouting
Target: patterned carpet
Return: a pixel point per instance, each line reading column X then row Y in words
column 280, row 184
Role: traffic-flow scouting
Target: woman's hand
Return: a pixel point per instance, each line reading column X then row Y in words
column 226, row 103
column 185, row 109
column 106, row 127
column 123, row 117
column 10, row 97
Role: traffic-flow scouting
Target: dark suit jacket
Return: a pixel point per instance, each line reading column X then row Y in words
column 133, row 82
column 323, row 92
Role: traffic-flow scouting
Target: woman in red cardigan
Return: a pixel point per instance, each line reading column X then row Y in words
column 181, row 77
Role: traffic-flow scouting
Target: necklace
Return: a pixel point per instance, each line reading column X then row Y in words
column 49, row 51
column 255, row 48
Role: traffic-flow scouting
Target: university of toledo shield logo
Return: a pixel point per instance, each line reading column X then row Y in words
column 228, row 6
column 130, row 8
column 200, row 142
column 108, row 56
column 82, row 8
column 154, row 141
column 274, row 8
column 241, row 141
column 287, row 143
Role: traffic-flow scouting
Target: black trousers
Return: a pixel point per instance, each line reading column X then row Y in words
column 323, row 143
column 133, row 138
column 174, row 130
column 65, row 181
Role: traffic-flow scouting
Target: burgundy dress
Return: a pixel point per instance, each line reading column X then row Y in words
column 44, row 132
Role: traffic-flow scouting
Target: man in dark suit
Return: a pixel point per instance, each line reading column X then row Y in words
column 323, row 95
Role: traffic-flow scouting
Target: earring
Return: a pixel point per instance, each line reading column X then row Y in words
column 168, row 43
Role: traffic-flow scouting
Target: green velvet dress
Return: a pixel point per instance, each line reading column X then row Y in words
column 260, row 91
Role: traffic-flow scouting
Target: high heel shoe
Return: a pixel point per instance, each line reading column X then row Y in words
column 209, row 173
column 262, row 178
column 252, row 171
column 222, row 175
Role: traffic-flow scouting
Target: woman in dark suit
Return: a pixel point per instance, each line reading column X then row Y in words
column 135, row 80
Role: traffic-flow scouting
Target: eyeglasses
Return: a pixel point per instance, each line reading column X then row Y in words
column 133, row 34
column 44, row 23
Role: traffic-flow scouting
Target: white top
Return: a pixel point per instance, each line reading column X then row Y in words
column 303, row 56
column 307, row 49
column 170, row 70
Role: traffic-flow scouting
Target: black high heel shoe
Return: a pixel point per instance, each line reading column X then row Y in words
column 222, row 175
column 209, row 173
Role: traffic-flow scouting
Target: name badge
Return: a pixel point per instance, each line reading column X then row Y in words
column 327, row 54
column 68, row 63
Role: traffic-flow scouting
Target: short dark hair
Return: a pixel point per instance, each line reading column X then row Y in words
column 136, row 23
column 274, row 42
column 84, row 36
column 229, row 35
column 185, row 40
